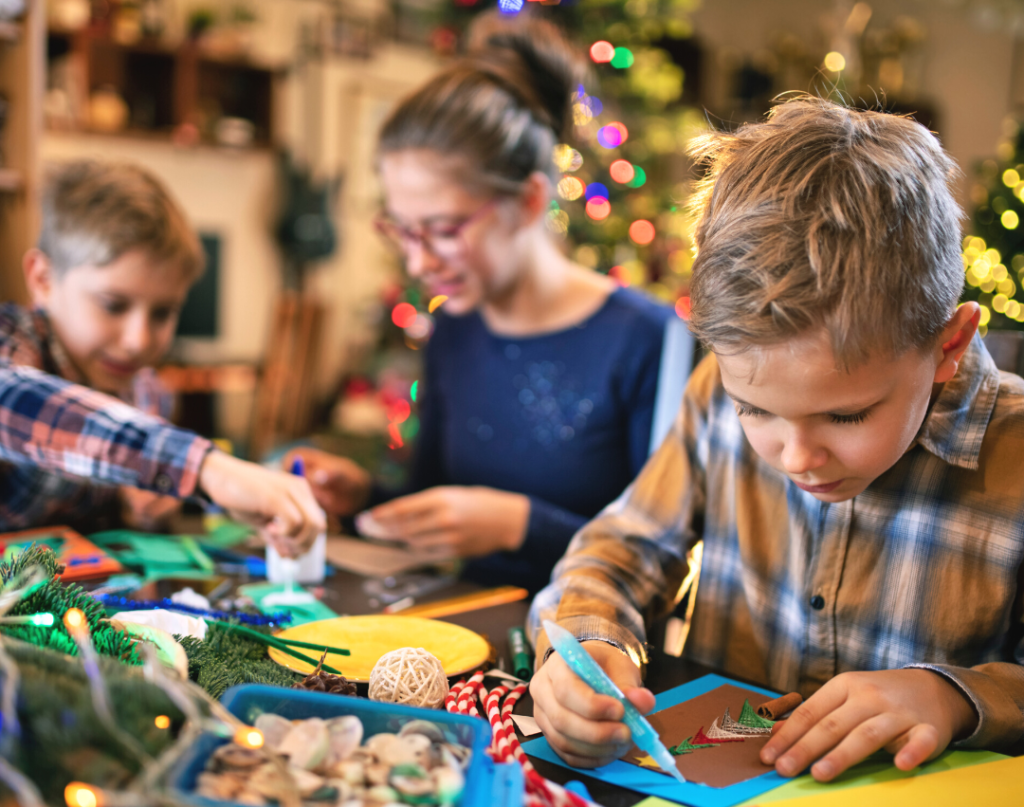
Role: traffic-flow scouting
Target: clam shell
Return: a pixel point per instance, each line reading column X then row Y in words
column 306, row 744
column 274, row 728
column 344, row 735
column 238, row 757
column 425, row 728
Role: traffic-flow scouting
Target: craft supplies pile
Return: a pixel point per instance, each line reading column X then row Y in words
column 327, row 761
column 132, row 681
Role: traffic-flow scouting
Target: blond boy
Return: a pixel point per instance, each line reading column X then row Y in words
column 848, row 453
column 79, row 402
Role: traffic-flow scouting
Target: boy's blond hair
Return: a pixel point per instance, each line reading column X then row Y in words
column 94, row 212
column 830, row 217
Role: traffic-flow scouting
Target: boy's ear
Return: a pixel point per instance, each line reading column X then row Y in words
column 38, row 276
column 955, row 339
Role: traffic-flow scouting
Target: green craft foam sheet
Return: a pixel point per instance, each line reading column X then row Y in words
column 652, row 783
column 301, row 614
column 873, row 770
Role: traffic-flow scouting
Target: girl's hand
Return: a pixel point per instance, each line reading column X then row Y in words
column 913, row 714
column 456, row 521
column 341, row 486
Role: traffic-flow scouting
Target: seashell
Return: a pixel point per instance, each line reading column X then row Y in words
column 274, row 728
column 424, row 728
column 352, row 771
column 449, row 783
column 381, row 794
column 345, row 790
column 413, row 783
column 376, row 744
column 378, row 773
column 272, row 781
column 234, row 756
column 222, row 786
column 405, row 750
column 344, row 735
column 459, row 753
column 306, row 745
column 250, row 797
column 306, row 781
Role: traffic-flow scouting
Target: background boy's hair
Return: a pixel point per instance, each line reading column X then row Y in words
column 500, row 109
column 824, row 216
column 95, row 212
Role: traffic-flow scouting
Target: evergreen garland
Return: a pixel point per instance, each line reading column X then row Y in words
column 62, row 738
column 224, row 659
column 57, row 598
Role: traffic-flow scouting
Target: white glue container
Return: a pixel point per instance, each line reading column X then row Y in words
column 305, row 569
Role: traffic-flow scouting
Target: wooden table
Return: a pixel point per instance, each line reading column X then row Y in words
column 344, row 594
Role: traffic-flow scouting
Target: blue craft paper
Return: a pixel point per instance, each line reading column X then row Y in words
column 633, row 777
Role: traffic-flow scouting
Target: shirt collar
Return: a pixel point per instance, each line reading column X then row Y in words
column 955, row 426
column 52, row 345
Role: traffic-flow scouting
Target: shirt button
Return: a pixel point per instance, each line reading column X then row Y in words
column 163, row 482
column 817, row 602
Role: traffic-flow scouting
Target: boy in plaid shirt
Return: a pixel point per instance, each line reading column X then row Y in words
column 848, row 453
column 81, row 432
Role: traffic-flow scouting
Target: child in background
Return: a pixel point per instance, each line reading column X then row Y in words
column 540, row 377
column 848, row 453
column 114, row 263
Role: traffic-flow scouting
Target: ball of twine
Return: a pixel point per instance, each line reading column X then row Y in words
column 409, row 675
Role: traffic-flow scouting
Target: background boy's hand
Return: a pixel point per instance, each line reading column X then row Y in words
column 280, row 504
column 147, row 511
column 340, row 485
column 585, row 728
column 457, row 521
column 913, row 714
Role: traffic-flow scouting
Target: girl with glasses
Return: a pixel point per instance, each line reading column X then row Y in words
column 540, row 377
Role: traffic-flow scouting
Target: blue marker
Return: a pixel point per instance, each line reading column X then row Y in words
column 298, row 466
column 583, row 664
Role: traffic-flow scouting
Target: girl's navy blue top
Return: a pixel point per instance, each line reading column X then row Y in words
column 564, row 418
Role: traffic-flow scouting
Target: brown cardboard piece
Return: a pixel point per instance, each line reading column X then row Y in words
column 725, row 764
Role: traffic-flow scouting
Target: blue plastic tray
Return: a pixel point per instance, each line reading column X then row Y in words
column 487, row 783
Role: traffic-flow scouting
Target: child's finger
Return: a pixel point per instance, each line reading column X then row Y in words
column 805, row 717
column 577, row 752
column 863, row 740
column 395, row 513
column 821, row 738
column 920, row 745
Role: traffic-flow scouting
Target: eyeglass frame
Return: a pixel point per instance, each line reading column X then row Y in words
column 407, row 235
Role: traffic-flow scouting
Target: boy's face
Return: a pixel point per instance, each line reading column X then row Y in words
column 831, row 432
column 112, row 320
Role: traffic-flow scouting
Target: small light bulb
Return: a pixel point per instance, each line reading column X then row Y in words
column 162, row 722
column 248, row 737
column 77, row 794
column 74, row 619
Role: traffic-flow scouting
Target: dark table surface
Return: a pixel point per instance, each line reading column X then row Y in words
column 344, row 593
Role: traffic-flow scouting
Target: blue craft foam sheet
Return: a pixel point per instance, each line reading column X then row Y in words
column 487, row 783
column 650, row 783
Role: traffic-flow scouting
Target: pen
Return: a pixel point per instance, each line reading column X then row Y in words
column 583, row 664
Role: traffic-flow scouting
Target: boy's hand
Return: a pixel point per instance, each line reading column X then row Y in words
column 457, row 521
column 280, row 504
column 913, row 714
column 585, row 728
column 341, row 486
column 146, row 511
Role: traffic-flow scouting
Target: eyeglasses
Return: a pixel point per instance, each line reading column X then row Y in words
column 443, row 240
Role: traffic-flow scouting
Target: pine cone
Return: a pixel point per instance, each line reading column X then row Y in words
column 319, row 681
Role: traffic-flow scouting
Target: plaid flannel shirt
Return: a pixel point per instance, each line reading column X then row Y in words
column 925, row 568
column 65, row 449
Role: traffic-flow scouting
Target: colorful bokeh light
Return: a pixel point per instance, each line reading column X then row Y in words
column 570, row 188
column 598, row 208
column 622, row 58
column 641, row 232
column 403, row 314
column 683, row 307
column 596, row 189
column 602, row 52
column 639, row 177
column 622, row 171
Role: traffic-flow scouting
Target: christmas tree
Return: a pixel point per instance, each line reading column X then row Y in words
column 994, row 249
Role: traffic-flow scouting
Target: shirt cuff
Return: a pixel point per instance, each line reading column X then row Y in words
column 170, row 461
column 999, row 717
column 548, row 531
column 596, row 629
